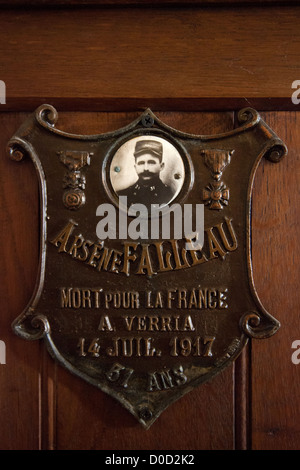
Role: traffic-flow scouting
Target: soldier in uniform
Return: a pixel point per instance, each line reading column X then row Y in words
column 149, row 189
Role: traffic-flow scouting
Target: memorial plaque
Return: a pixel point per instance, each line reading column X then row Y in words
column 145, row 286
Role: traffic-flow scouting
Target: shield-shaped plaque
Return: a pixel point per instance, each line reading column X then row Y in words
column 136, row 294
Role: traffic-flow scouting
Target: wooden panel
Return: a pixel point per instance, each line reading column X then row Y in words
column 204, row 59
column 101, row 3
column 276, row 233
column 20, row 376
column 166, row 58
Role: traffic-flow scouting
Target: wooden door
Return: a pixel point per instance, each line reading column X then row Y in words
column 195, row 65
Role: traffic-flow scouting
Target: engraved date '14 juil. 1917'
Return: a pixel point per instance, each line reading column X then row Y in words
column 145, row 319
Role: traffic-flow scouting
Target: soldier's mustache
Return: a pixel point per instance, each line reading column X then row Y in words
column 147, row 173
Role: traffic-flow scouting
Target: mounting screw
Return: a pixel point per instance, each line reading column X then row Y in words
column 147, row 120
column 145, row 414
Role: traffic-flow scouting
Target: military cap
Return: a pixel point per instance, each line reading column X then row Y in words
column 149, row 146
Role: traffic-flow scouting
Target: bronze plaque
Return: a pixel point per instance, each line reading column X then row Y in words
column 140, row 309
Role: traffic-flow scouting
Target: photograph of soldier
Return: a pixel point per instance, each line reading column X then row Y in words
column 153, row 171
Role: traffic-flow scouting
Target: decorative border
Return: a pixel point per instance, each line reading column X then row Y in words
column 47, row 116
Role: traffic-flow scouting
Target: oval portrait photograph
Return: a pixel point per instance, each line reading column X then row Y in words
column 147, row 170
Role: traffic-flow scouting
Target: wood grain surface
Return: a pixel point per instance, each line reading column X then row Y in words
column 165, row 58
column 103, row 3
column 276, row 232
column 20, row 376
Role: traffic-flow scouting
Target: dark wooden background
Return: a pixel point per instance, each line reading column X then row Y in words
column 195, row 64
